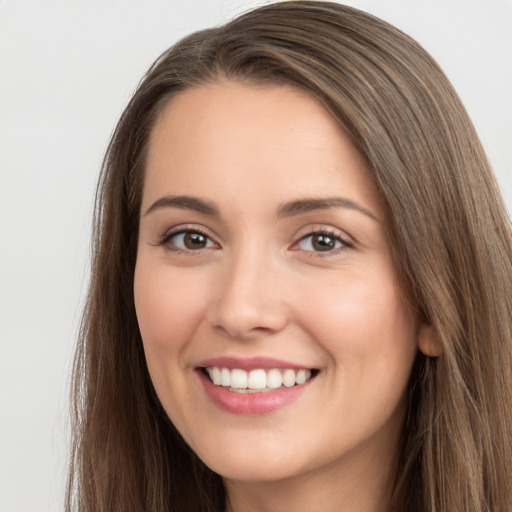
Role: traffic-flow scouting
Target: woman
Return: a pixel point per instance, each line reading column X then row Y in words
column 301, row 282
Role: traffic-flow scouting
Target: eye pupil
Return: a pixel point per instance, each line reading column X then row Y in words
column 322, row 242
column 194, row 241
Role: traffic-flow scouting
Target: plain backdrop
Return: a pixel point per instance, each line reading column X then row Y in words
column 67, row 68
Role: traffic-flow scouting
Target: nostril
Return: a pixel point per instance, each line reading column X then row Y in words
column 243, row 333
column 245, row 311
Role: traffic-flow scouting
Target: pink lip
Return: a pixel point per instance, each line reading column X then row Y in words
column 248, row 364
column 262, row 402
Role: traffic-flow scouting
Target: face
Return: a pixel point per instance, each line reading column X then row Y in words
column 274, row 325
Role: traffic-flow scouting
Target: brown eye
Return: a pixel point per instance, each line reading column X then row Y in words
column 194, row 241
column 188, row 241
column 321, row 242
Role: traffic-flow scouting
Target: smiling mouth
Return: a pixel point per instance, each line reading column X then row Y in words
column 257, row 380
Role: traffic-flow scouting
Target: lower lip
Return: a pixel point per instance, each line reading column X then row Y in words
column 263, row 402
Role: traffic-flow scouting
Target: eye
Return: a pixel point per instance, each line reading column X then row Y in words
column 321, row 242
column 188, row 240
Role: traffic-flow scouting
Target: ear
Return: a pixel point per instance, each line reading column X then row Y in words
column 429, row 342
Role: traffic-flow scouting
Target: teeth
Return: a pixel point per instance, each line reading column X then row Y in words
column 302, row 376
column 274, row 379
column 259, row 379
column 216, row 376
column 288, row 378
column 225, row 377
column 238, row 379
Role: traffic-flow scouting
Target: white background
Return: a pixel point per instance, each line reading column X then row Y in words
column 67, row 68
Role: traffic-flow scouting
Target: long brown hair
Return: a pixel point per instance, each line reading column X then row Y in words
column 447, row 226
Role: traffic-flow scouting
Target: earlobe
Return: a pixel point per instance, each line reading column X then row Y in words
column 429, row 342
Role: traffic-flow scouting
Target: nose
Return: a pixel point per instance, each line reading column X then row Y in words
column 249, row 299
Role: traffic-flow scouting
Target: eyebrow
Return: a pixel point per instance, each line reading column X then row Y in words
column 185, row 203
column 303, row 206
column 290, row 209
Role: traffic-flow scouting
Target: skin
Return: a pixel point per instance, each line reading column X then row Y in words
column 259, row 287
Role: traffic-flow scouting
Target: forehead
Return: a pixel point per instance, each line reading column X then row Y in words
column 255, row 139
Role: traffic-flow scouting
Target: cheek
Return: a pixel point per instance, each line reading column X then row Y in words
column 169, row 308
column 364, row 324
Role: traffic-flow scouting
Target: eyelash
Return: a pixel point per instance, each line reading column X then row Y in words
column 336, row 237
column 165, row 242
column 344, row 243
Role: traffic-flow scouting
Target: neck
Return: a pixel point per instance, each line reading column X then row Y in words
column 344, row 486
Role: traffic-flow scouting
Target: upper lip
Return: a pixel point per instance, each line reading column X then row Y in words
column 250, row 363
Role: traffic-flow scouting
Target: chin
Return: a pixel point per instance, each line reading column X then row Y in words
column 252, row 465
column 252, row 471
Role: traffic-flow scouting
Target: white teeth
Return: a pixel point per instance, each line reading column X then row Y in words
column 274, row 379
column 256, row 380
column 238, row 379
column 225, row 376
column 216, row 377
column 302, row 376
column 288, row 378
